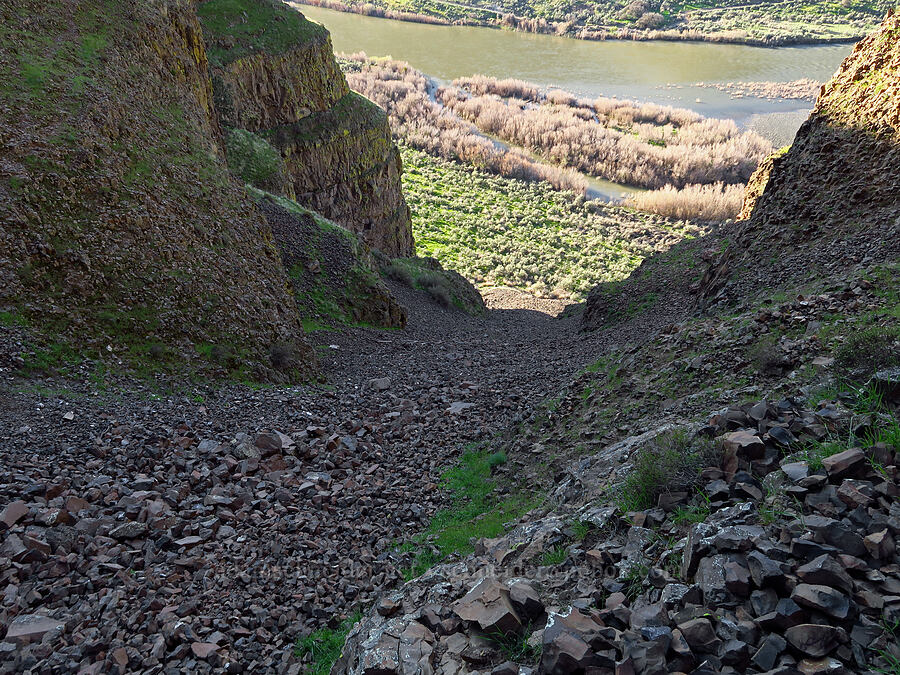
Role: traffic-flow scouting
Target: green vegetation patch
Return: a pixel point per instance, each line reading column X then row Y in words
column 238, row 28
column 670, row 462
column 501, row 232
column 870, row 349
column 334, row 275
column 323, row 647
column 351, row 115
column 253, row 160
column 477, row 511
column 780, row 22
column 47, row 74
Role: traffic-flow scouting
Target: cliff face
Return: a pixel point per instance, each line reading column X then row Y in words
column 120, row 223
column 830, row 201
column 274, row 74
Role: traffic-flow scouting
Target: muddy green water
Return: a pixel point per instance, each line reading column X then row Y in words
column 661, row 72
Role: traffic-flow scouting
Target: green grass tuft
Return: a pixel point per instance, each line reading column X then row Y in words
column 693, row 513
column 323, row 647
column 515, row 646
column 634, row 581
column 555, row 556
column 477, row 511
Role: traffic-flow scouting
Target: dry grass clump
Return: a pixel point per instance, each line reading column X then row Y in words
column 480, row 85
column 694, row 202
column 644, row 145
column 426, row 125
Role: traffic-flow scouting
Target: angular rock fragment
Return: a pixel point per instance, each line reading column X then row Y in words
column 700, row 635
column 815, row 640
column 27, row 628
column 12, row 513
column 823, row 599
column 488, row 604
column 844, row 463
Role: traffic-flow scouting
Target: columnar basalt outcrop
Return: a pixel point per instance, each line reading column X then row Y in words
column 264, row 90
column 120, row 228
column 830, row 200
column 336, row 145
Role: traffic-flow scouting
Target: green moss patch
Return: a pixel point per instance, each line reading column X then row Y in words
column 239, row 28
column 477, row 511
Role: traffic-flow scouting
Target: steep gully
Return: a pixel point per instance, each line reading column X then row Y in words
column 178, row 518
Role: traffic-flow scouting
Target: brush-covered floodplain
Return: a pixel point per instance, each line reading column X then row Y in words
column 502, row 232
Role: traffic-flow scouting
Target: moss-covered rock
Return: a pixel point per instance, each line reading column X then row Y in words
column 263, row 90
column 274, row 74
column 122, row 232
column 343, row 164
column 830, row 201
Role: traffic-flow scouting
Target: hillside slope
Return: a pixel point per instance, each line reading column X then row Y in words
column 830, row 202
column 274, row 74
column 758, row 23
column 122, row 230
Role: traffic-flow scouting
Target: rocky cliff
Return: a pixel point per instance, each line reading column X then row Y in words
column 121, row 229
column 830, row 200
column 274, row 74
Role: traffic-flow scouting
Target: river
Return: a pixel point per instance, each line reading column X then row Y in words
column 658, row 72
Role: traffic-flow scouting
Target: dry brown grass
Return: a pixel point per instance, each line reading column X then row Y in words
column 695, row 166
column 638, row 144
column 803, row 89
column 426, row 125
column 694, row 202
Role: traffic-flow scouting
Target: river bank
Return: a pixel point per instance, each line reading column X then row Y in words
column 666, row 73
column 645, row 26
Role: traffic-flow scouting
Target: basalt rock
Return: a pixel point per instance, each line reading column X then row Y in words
column 285, row 85
column 738, row 592
column 108, row 237
column 829, row 200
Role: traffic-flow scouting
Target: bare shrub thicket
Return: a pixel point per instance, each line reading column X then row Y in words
column 479, row 85
column 803, row 89
column 426, row 125
column 694, row 202
column 658, row 147
column 644, row 145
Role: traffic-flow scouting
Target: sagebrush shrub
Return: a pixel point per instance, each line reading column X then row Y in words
column 399, row 273
column 437, row 288
column 869, row 350
column 670, row 462
column 252, row 159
